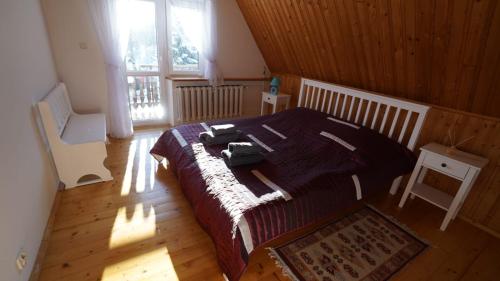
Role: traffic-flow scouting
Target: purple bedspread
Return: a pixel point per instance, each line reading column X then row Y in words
column 314, row 166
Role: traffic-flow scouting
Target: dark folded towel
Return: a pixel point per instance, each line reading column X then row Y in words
column 233, row 161
column 225, row 129
column 209, row 138
column 243, row 148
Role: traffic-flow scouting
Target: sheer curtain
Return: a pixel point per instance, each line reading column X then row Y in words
column 190, row 26
column 207, row 44
column 112, row 34
column 209, row 50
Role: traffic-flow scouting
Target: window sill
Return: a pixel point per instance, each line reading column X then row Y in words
column 185, row 78
column 194, row 79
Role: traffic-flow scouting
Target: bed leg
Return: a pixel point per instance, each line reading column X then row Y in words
column 395, row 185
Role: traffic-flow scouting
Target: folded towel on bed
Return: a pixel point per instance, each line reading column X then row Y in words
column 239, row 160
column 224, row 129
column 209, row 138
column 243, row 148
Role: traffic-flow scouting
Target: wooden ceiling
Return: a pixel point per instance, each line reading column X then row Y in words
column 443, row 52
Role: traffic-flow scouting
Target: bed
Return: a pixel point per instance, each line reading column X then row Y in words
column 340, row 145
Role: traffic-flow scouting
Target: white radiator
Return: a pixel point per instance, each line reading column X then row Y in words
column 206, row 102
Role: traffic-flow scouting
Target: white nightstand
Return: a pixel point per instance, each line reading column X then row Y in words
column 275, row 100
column 460, row 165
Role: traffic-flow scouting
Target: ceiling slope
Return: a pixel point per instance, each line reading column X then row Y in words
column 443, row 52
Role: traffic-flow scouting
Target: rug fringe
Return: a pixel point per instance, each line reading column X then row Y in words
column 398, row 223
column 280, row 263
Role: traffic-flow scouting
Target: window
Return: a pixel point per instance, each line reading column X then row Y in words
column 152, row 32
column 142, row 62
column 185, row 31
column 142, row 52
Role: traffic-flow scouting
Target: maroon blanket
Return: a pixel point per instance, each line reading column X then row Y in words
column 313, row 167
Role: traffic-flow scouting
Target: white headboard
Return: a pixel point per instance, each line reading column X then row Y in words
column 365, row 108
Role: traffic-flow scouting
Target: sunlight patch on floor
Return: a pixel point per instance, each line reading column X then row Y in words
column 156, row 263
column 146, row 167
column 127, row 178
column 129, row 229
column 140, row 183
column 152, row 165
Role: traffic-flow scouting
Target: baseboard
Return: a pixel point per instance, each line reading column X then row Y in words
column 44, row 244
column 480, row 226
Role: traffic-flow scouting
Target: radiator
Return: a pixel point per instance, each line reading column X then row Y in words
column 206, row 102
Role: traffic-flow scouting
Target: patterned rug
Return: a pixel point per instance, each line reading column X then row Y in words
column 364, row 245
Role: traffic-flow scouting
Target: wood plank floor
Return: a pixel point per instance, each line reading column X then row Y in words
column 140, row 227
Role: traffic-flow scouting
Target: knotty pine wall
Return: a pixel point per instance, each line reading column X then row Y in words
column 443, row 53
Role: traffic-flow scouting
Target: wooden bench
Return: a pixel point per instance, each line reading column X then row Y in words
column 77, row 141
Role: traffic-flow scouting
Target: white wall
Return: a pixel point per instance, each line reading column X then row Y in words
column 27, row 179
column 82, row 70
column 238, row 54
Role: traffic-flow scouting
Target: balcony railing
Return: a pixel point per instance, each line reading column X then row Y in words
column 144, row 98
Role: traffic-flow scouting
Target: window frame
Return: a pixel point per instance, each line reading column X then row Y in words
column 160, row 73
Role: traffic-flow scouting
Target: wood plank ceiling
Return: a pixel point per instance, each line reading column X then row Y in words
column 442, row 52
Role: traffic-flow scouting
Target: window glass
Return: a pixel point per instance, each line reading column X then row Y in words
column 144, row 98
column 142, row 51
column 186, row 38
column 143, row 73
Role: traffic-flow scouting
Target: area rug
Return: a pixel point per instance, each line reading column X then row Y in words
column 364, row 245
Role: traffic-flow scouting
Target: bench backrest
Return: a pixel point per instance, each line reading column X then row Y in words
column 60, row 107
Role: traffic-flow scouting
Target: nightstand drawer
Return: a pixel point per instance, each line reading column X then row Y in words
column 274, row 100
column 269, row 98
column 446, row 165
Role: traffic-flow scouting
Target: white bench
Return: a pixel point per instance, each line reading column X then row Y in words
column 77, row 142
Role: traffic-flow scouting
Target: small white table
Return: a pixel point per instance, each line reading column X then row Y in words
column 460, row 165
column 275, row 100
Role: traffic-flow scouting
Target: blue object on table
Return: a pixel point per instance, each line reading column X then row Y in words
column 275, row 86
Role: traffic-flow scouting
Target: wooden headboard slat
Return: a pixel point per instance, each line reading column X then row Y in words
column 315, row 93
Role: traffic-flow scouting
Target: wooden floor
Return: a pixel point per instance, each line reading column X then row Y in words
column 140, row 227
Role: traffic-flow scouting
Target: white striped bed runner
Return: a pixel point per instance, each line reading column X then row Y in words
column 343, row 122
column 180, row 139
column 205, row 126
column 246, row 235
column 259, row 142
column 271, row 184
column 357, row 185
column 274, row 131
column 338, row 140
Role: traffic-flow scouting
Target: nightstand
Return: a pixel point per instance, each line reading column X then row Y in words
column 275, row 100
column 459, row 165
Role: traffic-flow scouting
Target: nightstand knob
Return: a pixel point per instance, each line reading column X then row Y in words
column 443, row 165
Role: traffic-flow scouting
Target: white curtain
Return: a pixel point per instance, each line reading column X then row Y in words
column 189, row 24
column 207, row 46
column 209, row 50
column 112, row 34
